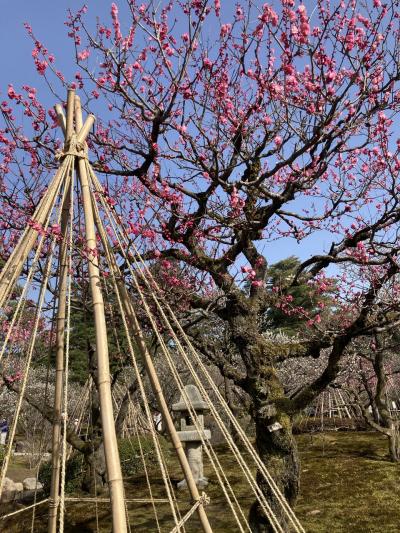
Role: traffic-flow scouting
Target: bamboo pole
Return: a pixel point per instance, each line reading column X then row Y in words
column 60, row 337
column 163, row 407
column 61, row 118
column 69, row 123
column 344, row 405
column 154, row 381
column 322, row 412
column 83, row 131
column 114, row 474
column 13, row 267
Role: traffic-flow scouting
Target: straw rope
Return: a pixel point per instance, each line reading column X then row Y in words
column 18, row 511
column 210, row 452
column 14, row 264
column 261, row 497
column 128, row 500
column 27, row 284
column 137, row 373
column 145, row 467
column 204, row 500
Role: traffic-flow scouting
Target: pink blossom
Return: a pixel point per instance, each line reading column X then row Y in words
column 83, row 55
column 116, row 24
column 269, row 15
column 11, row 92
column 55, row 229
column 239, row 13
column 41, row 67
column 225, row 29
column 236, row 202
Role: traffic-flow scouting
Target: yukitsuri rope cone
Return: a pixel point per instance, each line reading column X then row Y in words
column 57, row 204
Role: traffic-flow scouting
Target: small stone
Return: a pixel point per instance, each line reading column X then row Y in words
column 314, row 512
column 31, row 483
column 31, row 487
column 19, row 489
column 8, row 493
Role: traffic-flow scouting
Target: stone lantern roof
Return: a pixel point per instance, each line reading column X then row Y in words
column 195, row 398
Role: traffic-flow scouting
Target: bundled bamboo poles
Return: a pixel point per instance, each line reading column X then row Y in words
column 75, row 136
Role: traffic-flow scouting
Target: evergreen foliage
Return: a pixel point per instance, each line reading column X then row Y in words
column 305, row 300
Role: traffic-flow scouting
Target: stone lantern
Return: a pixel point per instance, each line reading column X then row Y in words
column 189, row 434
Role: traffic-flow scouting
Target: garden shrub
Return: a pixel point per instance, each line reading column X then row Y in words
column 129, row 451
column 131, row 462
column 73, row 475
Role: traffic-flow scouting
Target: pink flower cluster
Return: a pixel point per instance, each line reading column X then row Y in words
column 84, row 54
column 13, row 378
column 236, row 202
column 116, row 24
column 251, row 276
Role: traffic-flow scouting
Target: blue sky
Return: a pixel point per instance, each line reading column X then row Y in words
column 47, row 19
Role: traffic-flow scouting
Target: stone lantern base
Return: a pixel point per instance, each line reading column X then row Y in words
column 194, row 454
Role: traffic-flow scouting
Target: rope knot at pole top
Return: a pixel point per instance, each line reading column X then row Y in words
column 74, row 147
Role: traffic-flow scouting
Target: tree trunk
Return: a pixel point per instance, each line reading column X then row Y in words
column 94, row 480
column 234, row 409
column 375, row 413
column 394, row 444
column 274, row 440
column 278, row 451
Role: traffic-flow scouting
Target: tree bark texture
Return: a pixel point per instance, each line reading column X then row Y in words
column 275, row 443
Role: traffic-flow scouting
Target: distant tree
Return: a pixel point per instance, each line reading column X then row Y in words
column 302, row 300
column 375, row 390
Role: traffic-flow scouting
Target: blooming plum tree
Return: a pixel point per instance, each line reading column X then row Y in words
column 226, row 132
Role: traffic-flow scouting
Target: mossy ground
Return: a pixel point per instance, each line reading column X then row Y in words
column 347, row 485
column 350, row 480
